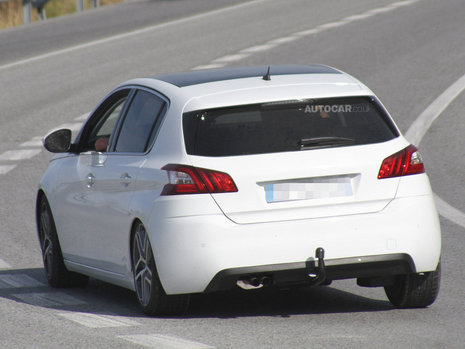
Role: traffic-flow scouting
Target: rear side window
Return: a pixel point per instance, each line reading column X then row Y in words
column 139, row 126
column 286, row 126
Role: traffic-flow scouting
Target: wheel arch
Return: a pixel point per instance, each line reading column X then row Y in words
column 40, row 195
column 130, row 242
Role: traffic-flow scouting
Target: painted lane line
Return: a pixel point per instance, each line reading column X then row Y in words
column 49, row 299
column 424, row 121
column 333, row 24
column 209, row 66
column 4, row 169
column 33, row 142
column 402, row 3
column 230, row 58
column 18, row 281
column 259, row 48
column 161, row 341
column 381, row 10
column 99, row 321
column 82, row 117
column 298, row 35
column 137, row 32
column 3, row 264
column 358, row 17
column 308, row 32
column 449, row 212
column 20, row 154
column 284, row 40
column 421, row 125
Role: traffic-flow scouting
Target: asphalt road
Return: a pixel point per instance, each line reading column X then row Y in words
column 53, row 72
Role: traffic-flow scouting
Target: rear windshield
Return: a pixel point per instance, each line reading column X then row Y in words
column 286, row 126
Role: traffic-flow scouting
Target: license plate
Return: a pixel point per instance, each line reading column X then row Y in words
column 308, row 188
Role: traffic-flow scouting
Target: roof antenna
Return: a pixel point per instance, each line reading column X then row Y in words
column 267, row 76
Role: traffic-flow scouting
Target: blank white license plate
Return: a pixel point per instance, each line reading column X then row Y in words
column 309, row 188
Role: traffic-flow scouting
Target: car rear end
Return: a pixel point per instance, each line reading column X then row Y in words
column 266, row 181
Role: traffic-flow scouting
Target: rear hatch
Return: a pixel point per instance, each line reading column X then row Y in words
column 296, row 159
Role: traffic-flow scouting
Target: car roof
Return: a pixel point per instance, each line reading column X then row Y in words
column 212, row 75
column 211, row 88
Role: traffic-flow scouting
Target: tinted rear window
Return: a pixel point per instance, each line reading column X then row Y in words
column 286, row 126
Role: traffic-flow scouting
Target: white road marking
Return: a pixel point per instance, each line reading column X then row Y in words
column 4, row 169
column 49, row 299
column 3, row 264
column 380, row 10
column 308, row 32
column 402, row 3
column 424, row 121
column 18, row 281
column 82, row 117
column 230, row 58
column 137, row 32
column 334, row 24
column 99, row 321
column 421, row 125
column 358, row 17
column 209, row 66
column 449, row 212
column 218, row 62
column 33, row 142
column 161, row 341
column 20, row 154
column 284, row 40
column 259, row 48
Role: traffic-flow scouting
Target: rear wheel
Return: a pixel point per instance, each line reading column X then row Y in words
column 150, row 293
column 415, row 290
column 55, row 269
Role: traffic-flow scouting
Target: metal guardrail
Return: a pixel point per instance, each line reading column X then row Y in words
column 40, row 4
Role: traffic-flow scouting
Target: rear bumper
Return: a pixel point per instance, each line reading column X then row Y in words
column 208, row 252
column 287, row 274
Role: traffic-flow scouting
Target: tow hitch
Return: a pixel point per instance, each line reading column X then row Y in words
column 317, row 276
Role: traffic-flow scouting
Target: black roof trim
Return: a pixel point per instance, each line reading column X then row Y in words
column 211, row 75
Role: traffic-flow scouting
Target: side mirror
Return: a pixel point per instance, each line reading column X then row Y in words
column 58, row 141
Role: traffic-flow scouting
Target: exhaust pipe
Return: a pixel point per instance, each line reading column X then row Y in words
column 254, row 282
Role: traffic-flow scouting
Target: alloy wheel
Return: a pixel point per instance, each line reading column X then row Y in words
column 143, row 265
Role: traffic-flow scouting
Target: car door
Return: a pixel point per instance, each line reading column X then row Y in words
column 80, row 213
column 100, row 184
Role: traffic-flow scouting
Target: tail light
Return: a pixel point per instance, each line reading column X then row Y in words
column 184, row 179
column 403, row 163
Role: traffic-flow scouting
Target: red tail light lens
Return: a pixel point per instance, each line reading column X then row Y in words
column 184, row 179
column 403, row 163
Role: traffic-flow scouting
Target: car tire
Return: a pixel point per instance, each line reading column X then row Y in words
column 55, row 270
column 415, row 290
column 150, row 293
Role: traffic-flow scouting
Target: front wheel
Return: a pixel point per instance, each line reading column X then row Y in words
column 150, row 293
column 415, row 290
column 55, row 269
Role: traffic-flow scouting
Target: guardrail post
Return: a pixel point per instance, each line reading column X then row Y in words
column 27, row 12
column 79, row 5
column 41, row 14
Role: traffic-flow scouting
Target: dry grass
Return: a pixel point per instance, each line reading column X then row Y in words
column 11, row 12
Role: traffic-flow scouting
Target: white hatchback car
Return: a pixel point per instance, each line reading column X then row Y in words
column 240, row 177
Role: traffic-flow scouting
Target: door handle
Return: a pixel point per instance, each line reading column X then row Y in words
column 90, row 180
column 125, row 179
